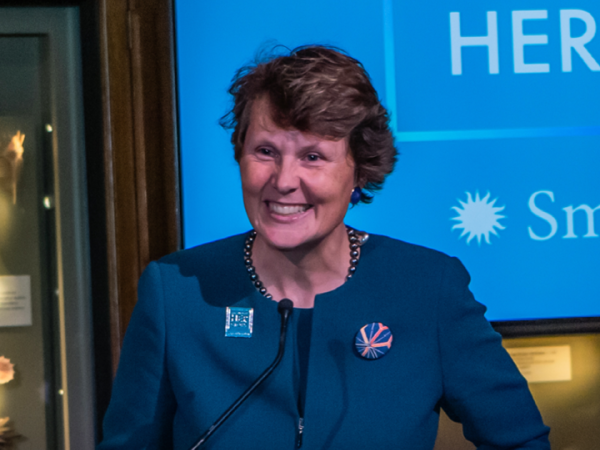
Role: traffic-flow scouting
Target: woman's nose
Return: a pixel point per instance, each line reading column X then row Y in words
column 285, row 179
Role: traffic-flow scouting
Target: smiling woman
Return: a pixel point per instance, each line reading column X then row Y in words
column 295, row 179
column 379, row 345
column 297, row 187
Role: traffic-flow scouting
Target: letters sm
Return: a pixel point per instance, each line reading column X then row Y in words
column 569, row 218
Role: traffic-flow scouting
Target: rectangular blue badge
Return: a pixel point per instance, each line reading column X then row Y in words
column 238, row 322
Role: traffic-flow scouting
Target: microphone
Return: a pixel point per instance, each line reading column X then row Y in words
column 285, row 308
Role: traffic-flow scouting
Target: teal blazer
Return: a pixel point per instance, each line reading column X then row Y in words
column 178, row 372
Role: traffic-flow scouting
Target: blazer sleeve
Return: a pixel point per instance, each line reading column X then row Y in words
column 483, row 389
column 142, row 406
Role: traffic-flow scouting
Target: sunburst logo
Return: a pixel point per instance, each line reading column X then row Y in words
column 478, row 218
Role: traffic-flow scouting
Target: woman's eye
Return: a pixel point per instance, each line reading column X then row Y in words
column 265, row 151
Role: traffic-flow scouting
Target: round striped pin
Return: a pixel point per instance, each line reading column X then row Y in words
column 373, row 340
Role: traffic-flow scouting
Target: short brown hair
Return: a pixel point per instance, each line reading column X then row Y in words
column 320, row 90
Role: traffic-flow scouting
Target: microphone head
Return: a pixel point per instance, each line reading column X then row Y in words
column 285, row 305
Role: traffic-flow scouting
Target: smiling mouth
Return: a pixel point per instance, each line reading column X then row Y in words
column 287, row 209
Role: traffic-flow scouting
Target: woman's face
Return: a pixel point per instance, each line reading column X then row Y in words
column 296, row 186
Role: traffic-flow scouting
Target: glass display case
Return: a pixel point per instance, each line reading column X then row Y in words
column 45, row 346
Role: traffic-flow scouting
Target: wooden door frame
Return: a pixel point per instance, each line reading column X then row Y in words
column 132, row 160
column 140, row 153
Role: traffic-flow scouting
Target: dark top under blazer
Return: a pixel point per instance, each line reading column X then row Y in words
column 178, row 371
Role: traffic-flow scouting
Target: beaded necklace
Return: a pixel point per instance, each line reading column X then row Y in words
column 356, row 239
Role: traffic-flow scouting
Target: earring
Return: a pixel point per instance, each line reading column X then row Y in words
column 356, row 194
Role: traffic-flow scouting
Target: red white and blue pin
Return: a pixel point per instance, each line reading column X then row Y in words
column 373, row 340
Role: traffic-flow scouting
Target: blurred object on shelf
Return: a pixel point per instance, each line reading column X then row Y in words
column 11, row 162
column 7, row 370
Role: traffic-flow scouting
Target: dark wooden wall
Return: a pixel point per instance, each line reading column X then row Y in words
column 128, row 62
column 137, row 66
column 128, row 58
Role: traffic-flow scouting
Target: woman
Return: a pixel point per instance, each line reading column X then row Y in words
column 309, row 135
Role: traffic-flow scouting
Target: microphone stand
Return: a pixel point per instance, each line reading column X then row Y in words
column 285, row 308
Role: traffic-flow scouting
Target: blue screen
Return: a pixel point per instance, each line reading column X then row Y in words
column 495, row 107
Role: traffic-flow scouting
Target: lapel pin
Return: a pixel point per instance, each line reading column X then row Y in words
column 373, row 340
column 238, row 321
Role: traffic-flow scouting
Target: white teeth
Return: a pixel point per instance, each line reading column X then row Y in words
column 278, row 208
